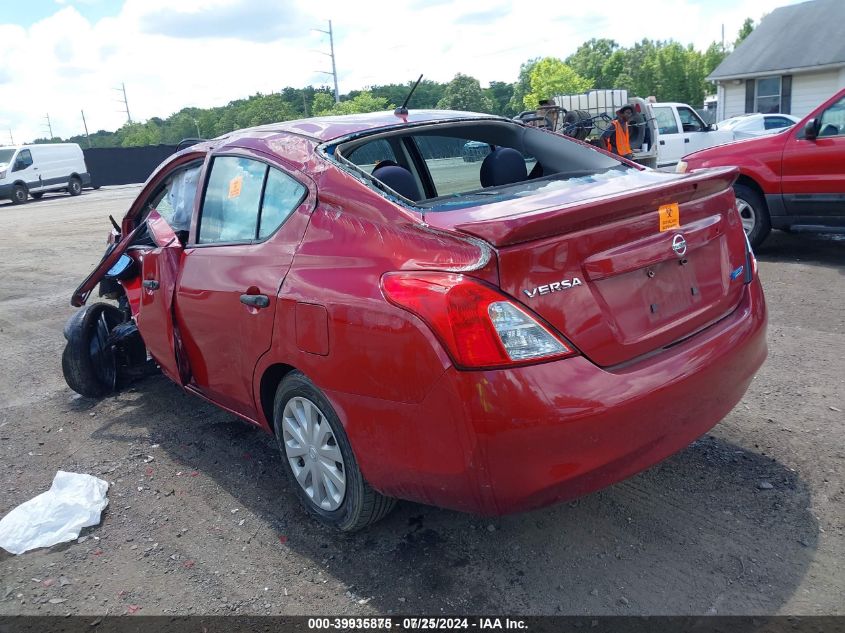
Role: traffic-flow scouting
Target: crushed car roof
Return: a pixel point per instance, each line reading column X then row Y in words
column 327, row 128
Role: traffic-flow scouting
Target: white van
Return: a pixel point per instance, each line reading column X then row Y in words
column 33, row 170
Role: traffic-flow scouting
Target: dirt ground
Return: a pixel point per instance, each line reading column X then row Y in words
column 748, row 520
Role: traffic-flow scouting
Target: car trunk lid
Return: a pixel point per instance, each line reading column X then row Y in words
column 592, row 260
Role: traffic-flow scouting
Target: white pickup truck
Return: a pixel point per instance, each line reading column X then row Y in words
column 682, row 131
column 661, row 133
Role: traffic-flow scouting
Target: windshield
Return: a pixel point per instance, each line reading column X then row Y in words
column 6, row 156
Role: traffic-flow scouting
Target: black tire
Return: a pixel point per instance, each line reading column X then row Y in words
column 88, row 364
column 762, row 223
column 37, row 196
column 361, row 505
column 74, row 186
column 20, row 194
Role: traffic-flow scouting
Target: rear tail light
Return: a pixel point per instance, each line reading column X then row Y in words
column 750, row 261
column 478, row 326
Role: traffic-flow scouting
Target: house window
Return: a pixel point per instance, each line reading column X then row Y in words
column 768, row 95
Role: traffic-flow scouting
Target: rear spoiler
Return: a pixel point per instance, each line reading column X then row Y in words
column 533, row 224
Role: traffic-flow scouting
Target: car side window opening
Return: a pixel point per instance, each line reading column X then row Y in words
column 246, row 200
column 282, row 195
column 776, row 122
column 690, row 121
column 665, row 118
column 175, row 201
column 832, row 120
column 23, row 160
column 369, row 155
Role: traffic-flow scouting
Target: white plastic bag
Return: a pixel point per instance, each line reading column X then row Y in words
column 73, row 502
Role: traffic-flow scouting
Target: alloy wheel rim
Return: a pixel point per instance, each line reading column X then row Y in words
column 313, row 453
column 746, row 214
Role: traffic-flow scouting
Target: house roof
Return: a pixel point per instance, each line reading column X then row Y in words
column 793, row 38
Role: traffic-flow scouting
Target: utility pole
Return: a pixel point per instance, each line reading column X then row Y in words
column 333, row 73
column 49, row 126
column 723, row 38
column 124, row 101
column 85, row 125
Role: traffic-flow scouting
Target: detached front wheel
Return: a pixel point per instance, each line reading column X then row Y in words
column 319, row 460
column 89, row 363
column 754, row 214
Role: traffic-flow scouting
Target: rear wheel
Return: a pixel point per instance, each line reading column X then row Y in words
column 89, row 364
column 19, row 194
column 74, row 186
column 753, row 213
column 319, row 460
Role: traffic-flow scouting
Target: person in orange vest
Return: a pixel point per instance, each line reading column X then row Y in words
column 615, row 137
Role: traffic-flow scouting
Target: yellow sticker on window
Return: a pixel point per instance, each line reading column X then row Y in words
column 237, row 182
column 670, row 217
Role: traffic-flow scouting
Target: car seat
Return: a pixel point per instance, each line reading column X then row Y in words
column 400, row 180
column 503, row 166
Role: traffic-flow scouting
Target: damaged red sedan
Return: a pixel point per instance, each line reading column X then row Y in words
column 489, row 336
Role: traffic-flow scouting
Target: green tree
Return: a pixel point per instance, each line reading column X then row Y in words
column 744, row 31
column 522, row 86
column 362, row 102
column 500, row 94
column 550, row 77
column 323, row 102
column 465, row 93
column 139, row 134
column 590, row 59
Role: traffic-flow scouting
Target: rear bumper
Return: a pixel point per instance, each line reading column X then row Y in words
column 504, row 441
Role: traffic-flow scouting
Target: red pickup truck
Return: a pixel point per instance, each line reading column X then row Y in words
column 792, row 180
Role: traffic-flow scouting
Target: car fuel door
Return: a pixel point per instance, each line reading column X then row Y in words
column 159, row 272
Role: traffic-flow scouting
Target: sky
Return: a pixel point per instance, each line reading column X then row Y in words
column 62, row 57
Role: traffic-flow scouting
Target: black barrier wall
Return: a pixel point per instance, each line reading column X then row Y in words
column 124, row 165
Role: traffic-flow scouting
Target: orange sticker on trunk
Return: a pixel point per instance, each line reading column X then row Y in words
column 237, row 182
column 670, row 217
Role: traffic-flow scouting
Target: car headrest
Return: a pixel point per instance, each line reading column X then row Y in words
column 399, row 179
column 503, row 166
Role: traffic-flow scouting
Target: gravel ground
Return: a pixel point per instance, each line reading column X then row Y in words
column 748, row 520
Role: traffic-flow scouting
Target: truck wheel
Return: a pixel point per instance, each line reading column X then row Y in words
column 88, row 362
column 74, row 186
column 754, row 214
column 37, row 196
column 20, row 194
column 319, row 460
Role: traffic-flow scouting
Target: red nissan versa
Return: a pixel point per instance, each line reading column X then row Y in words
column 488, row 336
column 791, row 180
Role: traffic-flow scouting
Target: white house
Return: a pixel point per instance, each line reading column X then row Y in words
column 790, row 63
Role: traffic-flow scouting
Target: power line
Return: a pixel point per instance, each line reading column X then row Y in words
column 49, row 126
column 333, row 73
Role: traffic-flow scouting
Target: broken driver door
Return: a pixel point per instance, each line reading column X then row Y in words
column 159, row 272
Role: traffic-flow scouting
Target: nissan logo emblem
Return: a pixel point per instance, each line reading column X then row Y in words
column 679, row 245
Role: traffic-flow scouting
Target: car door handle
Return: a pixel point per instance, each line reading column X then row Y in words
column 256, row 301
column 686, row 140
column 663, row 142
column 151, row 284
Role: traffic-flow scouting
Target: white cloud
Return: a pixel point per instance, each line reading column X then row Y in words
column 233, row 48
